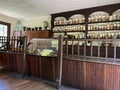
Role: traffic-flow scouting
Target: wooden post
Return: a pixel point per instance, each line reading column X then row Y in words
column 59, row 62
column 24, row 56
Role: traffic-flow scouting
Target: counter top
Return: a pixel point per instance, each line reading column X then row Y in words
column 15, row 52
column 93, row 59
column 80, row 58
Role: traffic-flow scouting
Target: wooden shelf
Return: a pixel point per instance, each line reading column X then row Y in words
column 70, row 24
column 67, row 31
column 105, row 30
column 104, row 22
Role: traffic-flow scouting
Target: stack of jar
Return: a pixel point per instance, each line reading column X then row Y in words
column 70, row 21
column 98, row 18
column 115, row 16
column 31, row 29
column 69, row 28
column 76, row 20
column 103, row 35
column 105, row 26
column 60, row 22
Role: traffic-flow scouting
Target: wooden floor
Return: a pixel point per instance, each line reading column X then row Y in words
column 10, row 82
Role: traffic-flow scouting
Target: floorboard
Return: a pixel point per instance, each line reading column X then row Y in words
column 10, row 81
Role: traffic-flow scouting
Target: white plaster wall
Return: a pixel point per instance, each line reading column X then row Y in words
column 32, row 22
column 10, row 20
column 37, row 22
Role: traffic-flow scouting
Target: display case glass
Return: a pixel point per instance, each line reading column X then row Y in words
column 43, row 46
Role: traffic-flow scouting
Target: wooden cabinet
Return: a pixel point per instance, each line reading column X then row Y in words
column 33, row 34
column 88, row 22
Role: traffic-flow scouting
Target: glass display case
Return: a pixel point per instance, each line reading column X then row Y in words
column 43, row 46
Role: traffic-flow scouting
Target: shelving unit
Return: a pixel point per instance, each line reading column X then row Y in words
column 90, row 22
column 102, row 25
column 76, row 23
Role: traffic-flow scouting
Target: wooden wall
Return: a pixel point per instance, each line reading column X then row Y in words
column 91, row 76
column 43, row 67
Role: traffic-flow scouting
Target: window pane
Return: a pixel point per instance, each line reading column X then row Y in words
column 5, row 34
column 3, row 30
column 5, row 27
column 1, row 33
column 1, row 27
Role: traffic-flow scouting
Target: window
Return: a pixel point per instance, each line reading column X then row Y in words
column 4, row 29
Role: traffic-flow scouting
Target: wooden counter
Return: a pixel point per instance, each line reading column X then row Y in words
column 84, row 75
column 43, row 67
column 91, row 75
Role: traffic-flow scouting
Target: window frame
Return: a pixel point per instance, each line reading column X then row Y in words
column 8, row 25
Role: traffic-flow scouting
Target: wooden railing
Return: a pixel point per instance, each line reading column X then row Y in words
column 14, row 43
column 93, row 48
